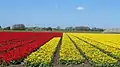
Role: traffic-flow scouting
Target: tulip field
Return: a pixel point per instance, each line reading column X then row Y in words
column 15, row 46
column 57, row 49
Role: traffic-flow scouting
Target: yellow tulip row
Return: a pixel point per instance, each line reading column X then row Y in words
column 43, row 56
column 109, row 39
column 106, row 46
column 111, row 43
column 68, row 52
column 93, row 54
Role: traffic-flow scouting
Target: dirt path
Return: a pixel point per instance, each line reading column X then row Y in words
column 56, row 54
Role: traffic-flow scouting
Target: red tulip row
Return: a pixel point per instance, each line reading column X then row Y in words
column 12, row 41
column 11, row 46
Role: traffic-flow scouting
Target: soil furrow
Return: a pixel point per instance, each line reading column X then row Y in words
column 56, row 54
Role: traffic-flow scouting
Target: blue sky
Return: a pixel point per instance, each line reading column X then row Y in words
column 93, row 13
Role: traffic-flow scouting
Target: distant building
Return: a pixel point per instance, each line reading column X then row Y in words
column 112, row 30
column 18, row 27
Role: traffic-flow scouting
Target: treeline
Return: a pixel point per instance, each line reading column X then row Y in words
column 14, row 27
column 69, row 29
column 83, row 28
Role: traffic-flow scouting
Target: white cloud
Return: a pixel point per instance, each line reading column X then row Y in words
column 80, row 8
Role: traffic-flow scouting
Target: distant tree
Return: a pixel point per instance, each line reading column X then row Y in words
column 29, row 29
column 6, row 28
column 0, row 28
column 82, row 28
column 43, row 29
column 18, row 27
column 94, row 29
column 37, row 28
column 69, row 28
column 58, row 28
column 54, row 29
column 49, row 29
column 97, row 29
